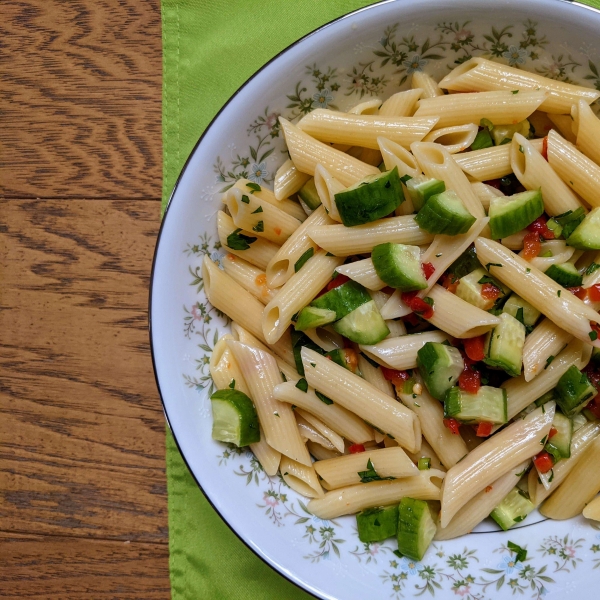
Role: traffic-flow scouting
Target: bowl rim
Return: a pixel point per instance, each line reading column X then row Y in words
column 351, row 14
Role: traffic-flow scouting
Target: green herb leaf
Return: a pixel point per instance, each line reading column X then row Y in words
column 428, row 300
column 593, row 335
column 232, row 384
column 405, row 178
column 254, row 187
column 487, row 124
column 521, row 553
column 371, row 474
column 558, row 293
column 259, row 227
column 302, row 260
column 239, row 241
column 521, row 150
column 593, row 267
column 258, row 210
column 245, row 199
column 492, row 265
column 488, row 279
column 548, row 361
column 515, row 92
column 302, row 385
column 323, row 398
column 482, row 140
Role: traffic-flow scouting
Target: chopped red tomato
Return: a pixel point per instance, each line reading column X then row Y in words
column 484, row 430
column 594, row 292
column 407, row 297
column 543, row 462
column 453, row 425
column 450, row 282
column 475, row 347
column 531, row 245
column 489, row 291
column 540, row 227
column 545, row 148
column 396, row 377
column 553, row 431
column 422, row 308
column 356, row 448
column 428, row 269
column 388, row 290
column 469, row 380
column 579, row 292
column 339, row 280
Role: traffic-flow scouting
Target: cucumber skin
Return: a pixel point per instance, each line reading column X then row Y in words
column 564, row 276
column 416, row 528
column 530, row 314
column 559, row 445
column 438, row 216
column 370, row 201
column 308, row 319
column 583, row 237
column 376, row 330
column 453, row 406
column 514, row 506
column 420, row 192
column 438, row 378
column 245, row 408
column 496, row 354
column 369, row 531
column 343, row 299
column 574, row 390
column 506, row 221
column 393, row 265
column 309, row 195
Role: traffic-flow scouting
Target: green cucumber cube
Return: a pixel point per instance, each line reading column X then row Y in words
column 565, row 274
column 559, row 445
column 421, row 188
column 377, row 524
column 505, row 345
column 587, row 234
column 309, row 195
column 365, row 325
column 399, row 266
column 416, row 528
column 513, row 509
column 234, row 418
column 574, row 390
column 311, row 317
column 343, row 299
column 488, row 405
column 446, row 214
column 511, row 214
column 516, row 307
column 440, row 367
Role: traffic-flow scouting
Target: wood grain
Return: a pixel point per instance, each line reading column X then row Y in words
column 57, row 568
column 80, row 99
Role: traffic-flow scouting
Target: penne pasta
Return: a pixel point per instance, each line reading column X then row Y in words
column 363, row 130
column 264, row 194
column 344, row 471
column 363, row 271
column 395, row 155
column 592, row 510
column 281, row 350
column 486, row 193
column 551, row 299
column 268, row 457
column 288, row 180
column 336, row 440
column 374, row 376
column 353, row 499
column 327, row 187
column 454, row 139
column 493, row 458
column 425, row 82
column 251, row 278
column 301, row 478
column 319, row 452
column 559, row 251
column 368, row 107
column 544, row 342
column 363, row 399
column 426, row 451
column 307, row 152
column 401, row 104
column 325, row 337
column 564, row 125
column 480, row 74
column 586, row 127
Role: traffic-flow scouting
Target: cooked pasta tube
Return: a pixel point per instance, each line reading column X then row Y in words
column 482, row 504
column 344, row 471
column 301, row 478
column 264, row 194
column 327, row 187
column 457, row 317
column 309, row 433
column 325, row 337
column 592, row 510
column 336, row 440
column 353, row 499
column 498, row 107
column 282, row 350
column 580, row 441
column 251, row 278
column 374, row 376
column 346, row 241
column 263, row 219
column 579, row 487
column 534, row 172
column 521, row 393
column 486, row 163
column 283, row 264
column 307, row 152
column 319, row 452
column 288, row 180
column 485, row 193
column 427, row 83
column 401, row 352
column 363, row 130
column 395, row 155
column 493, row 458
column 340, row 420
column 268, row 457
column 401, row 104
column 368, row 107
column 396, row 327
column 426, row 451
column 363, row 399
column 259, row 251
column 564, row 125
column 436, row 161
column 448, row 447
column 545, row 341
column 580, row 173
column 454, row 139
column 296, row 293
column 551, row 299
column 364, row 272
column 262, row 374
column 586, row 127
column 480, row 75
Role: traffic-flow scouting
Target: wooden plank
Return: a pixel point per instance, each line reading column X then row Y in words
column 80, row 99
column 81, row 424
column 71, row 569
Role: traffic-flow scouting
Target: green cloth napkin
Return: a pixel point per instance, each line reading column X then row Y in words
column 210, row 48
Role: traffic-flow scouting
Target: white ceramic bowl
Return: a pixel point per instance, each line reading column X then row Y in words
column 368, row 53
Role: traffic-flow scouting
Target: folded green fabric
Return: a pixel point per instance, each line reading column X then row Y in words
column 210, row 48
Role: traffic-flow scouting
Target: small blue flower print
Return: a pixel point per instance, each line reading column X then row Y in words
column 258, row 173
column 412, row 567
column 515, row 56
column 509, row 564
column 416, row 63
column 322, row 99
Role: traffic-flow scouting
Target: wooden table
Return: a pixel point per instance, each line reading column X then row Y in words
column 82, row 457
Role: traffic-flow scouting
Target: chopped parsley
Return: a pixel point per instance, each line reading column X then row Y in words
column 405, row 178
column 492, row 265
column 259, row 227
column 521, row 553
column 302, row 260
column 371, row 474
column 245, row 199
column 593, row 267
column 548, row 361
column 593, row 335
column 232, row 384
column 254, row 187
column 258, row 210
column 558, row 293
column 323, row 398
column 302, row 385
column 239, row 241
column 515, row 92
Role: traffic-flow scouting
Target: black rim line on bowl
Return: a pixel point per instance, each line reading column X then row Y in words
column 158, row 238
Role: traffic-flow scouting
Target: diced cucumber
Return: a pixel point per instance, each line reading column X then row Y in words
column 578, row 421
column 299, row 340
column 469, row 289
column 399, row 266
column 513, row 509
column 510, row 214
column 587, row 234
column 482, row 140
column 311, row 317
column 555, row 227
column 234, row 418
column 521, row 310
column 546, row 398
column 503, row 134
column 559, row 445
column 574, row 390
column 505, row 345
column 488, row 405
column 343, row 299
column 565, row 274
column 377, row 524
column 466, row 263
column 309, row 195
column 445, row 213
column 365, row 325
column 568, row 221
column 344, row 357
column 440, row 367
column 374, row 197
column 421, row 188
column 416, row 528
